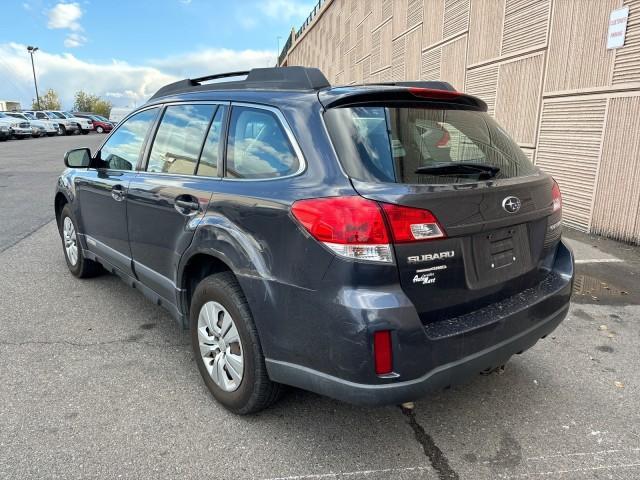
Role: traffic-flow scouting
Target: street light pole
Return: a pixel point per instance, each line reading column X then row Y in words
column 31, row 51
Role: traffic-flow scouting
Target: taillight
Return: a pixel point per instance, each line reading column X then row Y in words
column 382, row 352
column 411, row 224
column 352, row 227
column 355, row 227
column 556, row 196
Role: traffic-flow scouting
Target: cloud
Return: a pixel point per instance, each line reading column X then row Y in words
column 214, row 60
column 285, row 9
column 74, row 40
column 65, row 16
column 122, row 83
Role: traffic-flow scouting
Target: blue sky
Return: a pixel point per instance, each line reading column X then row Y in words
column 124, row 50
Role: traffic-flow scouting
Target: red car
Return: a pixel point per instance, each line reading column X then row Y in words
column 100, row 124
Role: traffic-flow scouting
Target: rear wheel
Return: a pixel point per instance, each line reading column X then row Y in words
column 227, row 348
column 78, row 265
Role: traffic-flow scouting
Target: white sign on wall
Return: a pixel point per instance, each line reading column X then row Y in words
column 617, row 27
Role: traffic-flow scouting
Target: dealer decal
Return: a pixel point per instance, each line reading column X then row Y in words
column 427, row 276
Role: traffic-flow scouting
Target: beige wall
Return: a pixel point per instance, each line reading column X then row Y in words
column 542, row 67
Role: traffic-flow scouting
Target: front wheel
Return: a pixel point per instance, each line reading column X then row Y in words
column 62, row 129
column 79, row 266
column 99, row 129
column 227, row 347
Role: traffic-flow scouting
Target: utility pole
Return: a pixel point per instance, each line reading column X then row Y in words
column 31, row 51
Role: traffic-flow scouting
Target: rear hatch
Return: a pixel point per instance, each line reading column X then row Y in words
column 496, row 223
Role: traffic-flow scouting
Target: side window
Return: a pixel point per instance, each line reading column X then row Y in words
column 258, row 145
column 177, row 144
column 208, row 166
column 122, row 150
column 40, row 115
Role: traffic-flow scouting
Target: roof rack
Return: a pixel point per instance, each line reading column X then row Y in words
column 277, row 78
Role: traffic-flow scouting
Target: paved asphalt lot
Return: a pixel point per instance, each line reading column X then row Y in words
column 97, row 382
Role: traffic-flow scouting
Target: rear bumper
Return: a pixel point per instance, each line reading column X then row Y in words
column 451, row 351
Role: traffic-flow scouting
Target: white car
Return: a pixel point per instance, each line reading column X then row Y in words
column 85, row 125
column 39, row 128
column 17, row 128
column 5, row 129
column 64, row 125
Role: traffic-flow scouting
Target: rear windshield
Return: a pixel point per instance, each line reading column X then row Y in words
column 423, row 145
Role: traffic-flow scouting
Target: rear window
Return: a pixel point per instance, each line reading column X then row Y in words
column 423, row 146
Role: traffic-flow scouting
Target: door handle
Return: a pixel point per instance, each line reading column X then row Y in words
column 117, row 193
column 186, row 207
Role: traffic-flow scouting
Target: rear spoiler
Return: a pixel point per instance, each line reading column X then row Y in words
column 400, row 96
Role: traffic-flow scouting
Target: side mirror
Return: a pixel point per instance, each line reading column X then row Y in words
column 78, row 158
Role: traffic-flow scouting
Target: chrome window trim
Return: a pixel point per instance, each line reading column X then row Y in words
column 292, row 140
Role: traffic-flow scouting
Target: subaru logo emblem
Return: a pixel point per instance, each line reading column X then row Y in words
column 511, row 204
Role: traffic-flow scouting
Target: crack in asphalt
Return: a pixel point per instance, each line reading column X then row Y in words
column 436, row 457
column 26, row 235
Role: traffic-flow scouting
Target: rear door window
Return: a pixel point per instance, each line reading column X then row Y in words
column 258, row 146
column 423, row 146
column 178, row 141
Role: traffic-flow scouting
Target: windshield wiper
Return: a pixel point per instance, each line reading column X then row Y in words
column 459, row 168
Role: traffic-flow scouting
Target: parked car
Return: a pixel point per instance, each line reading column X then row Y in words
column 100, row 124
column 39, row 128
column 5, row 129
column 307, row 235
column 65, row 125
column 70, row 124
column 18, row 128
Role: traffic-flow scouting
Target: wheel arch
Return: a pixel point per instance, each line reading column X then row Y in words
column 59, row 203
column 196, row 267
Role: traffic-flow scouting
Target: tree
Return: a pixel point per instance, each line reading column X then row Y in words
column 48, row 101
column 86, row 102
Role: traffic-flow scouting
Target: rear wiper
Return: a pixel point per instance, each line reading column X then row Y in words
column 459, row 168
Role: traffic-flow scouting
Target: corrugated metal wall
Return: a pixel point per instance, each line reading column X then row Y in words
column 542, row 67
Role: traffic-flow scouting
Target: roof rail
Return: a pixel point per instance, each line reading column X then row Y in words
column 278, row 78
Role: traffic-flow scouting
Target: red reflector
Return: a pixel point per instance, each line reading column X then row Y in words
column 412, row 224
column 433, row 93
column 382, row 352
column 342, row 220
column 556, row 196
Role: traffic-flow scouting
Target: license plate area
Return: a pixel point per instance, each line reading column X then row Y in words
column 500, row 255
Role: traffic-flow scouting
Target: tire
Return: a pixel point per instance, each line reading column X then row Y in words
column 85, row 132
column 254, row 391
column 79, row 266
column 62, row 129
column 99, row 129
